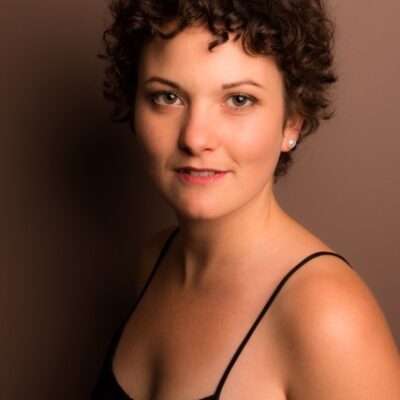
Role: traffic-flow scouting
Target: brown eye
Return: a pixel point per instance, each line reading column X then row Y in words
column 240, row 100
column 164, row 98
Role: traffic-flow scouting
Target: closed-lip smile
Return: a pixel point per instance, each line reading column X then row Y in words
column 188, row 169
column 202, row 176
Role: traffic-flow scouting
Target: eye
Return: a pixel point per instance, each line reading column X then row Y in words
column 240, row 100
column 164, row 98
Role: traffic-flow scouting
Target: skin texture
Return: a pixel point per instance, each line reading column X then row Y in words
column 325, row 336
column 204, row 129
column 207, row 124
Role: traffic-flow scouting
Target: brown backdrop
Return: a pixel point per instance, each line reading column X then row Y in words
column 73, row 205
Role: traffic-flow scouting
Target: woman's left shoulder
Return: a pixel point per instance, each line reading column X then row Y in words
column 332, row 298
column 341, row 344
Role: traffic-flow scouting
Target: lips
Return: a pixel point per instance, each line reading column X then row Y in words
column 200, row 176
column 199, row 173
column 199, row 170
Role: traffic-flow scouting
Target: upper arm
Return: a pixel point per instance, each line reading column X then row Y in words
column 342, row 346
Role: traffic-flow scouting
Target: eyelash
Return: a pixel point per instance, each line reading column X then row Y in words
column 252, row 99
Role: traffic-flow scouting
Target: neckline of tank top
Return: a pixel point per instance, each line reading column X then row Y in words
column 216, row 394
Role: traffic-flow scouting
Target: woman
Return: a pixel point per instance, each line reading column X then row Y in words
column 239, row 301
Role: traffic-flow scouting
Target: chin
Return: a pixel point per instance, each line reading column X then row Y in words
column 196, row 216
column 197, row 209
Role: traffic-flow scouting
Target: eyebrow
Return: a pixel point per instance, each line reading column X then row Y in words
column 224, row 86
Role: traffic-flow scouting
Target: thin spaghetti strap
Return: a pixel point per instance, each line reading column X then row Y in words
column 158, row 262
column 118, row 332
column 150, row 277
column 264, row 310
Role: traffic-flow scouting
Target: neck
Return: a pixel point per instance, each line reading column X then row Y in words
column 227, row 247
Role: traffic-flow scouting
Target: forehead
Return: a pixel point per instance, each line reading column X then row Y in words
column 186, row 56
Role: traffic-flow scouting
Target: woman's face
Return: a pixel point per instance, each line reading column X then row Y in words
column 221, row 110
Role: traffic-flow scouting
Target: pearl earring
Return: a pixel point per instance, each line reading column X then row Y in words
column 292, row 143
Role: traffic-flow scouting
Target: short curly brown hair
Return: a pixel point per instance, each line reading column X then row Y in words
column 297, row 33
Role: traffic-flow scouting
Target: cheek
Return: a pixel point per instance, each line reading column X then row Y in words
column 257, row 141
column 151, row 136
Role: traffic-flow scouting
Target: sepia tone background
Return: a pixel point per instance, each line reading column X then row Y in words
column 74, row 205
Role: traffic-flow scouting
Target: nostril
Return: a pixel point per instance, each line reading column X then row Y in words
column 197, row 139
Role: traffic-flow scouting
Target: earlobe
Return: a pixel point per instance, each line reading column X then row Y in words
column 292, row 143
column 291, row 133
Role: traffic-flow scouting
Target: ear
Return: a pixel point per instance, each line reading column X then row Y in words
column 291, row 130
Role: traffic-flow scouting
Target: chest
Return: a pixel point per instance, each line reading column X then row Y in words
column 180, row 348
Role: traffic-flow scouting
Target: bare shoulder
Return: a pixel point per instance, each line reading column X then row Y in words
column 337, row 340
column 149, row 252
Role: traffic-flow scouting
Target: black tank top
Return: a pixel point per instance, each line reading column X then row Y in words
column 107, row 387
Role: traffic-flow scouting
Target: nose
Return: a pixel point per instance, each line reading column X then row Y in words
column 198, row 132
